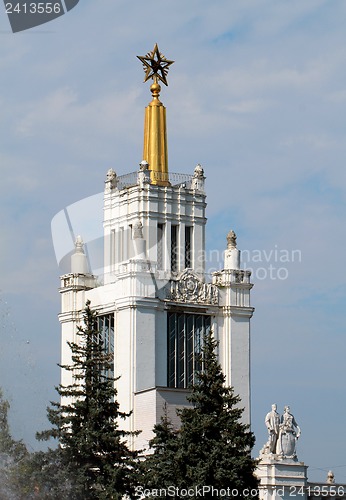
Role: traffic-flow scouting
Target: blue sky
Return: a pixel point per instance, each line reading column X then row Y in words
column 257, row 96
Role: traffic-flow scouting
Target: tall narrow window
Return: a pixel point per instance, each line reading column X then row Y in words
column 185, row 338
column 121, row 245
column 174, row 249
column 129, row 243
column 112, row 250
column 188, row 246
column 105, row 327
column 160, row 246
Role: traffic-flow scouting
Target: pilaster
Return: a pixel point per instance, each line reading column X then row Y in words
column 234, row 329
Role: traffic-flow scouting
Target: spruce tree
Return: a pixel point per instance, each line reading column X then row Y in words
column 86, row 422
column 159, row 466
column 213, row 447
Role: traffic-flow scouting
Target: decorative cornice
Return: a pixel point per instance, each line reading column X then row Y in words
column 245, row 312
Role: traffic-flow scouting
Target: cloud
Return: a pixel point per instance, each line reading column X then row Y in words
column 248, row 106
column 256, row 95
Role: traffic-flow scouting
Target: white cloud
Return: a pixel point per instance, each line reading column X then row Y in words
column 256, row 95
column 321, row 141
column 248, row 106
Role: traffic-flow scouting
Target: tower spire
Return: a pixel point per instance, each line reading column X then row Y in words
column 155, row 131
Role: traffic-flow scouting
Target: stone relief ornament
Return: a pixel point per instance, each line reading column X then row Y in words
column 189, row 288
column 137, row 230
column 68, row 281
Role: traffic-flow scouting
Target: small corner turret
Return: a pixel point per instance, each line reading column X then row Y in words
column 79, row 262
column 232, row 254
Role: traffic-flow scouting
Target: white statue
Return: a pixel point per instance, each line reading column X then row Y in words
column 111, row 180
column 144, row 165
column 143, row 176
column 198, row 178
column 198, row 172
column 330, row 477
column 272, row 422
column 288, row 435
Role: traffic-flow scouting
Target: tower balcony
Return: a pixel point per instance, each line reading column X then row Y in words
column 156, row 178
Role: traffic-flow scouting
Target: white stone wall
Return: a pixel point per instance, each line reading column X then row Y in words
column 152, row 205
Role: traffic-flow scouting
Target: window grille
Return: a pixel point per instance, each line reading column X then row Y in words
column 185, row 337
column 188, row 246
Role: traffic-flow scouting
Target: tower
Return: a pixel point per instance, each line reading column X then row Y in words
column 156, row 302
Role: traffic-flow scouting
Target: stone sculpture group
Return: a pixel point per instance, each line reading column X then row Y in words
column 283, row 433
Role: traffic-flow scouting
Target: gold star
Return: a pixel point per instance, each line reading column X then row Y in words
column 155, row 67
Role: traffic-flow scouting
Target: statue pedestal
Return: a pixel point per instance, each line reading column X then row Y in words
column 284, row 479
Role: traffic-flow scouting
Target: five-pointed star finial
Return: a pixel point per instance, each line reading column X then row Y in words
column 155, row 65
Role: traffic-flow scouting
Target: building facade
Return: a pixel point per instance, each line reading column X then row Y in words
column 155, row 301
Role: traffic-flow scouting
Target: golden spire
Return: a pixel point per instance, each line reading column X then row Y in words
column 155, row 134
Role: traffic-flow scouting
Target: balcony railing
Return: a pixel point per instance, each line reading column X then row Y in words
column 156, row 178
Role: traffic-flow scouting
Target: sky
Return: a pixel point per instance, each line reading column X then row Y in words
column 257, row 95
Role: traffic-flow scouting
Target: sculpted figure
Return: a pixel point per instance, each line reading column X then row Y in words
column 288, row 435
column 198, row 172
column 272, row 422
column 330, row 477
column 198, row 178
column 143, row 176
column 144, row 165
column 137, row 230
column 111, row 179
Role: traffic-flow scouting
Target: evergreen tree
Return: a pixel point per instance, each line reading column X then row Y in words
column 44, row 475
column 86, row 422
column 159, row 466
column 213, row 447
column 12, row 453
column 8, row 446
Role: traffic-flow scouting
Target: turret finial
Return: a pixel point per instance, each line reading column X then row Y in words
column 155, row 65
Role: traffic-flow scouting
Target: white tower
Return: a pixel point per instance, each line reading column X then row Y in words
column 156, row 302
